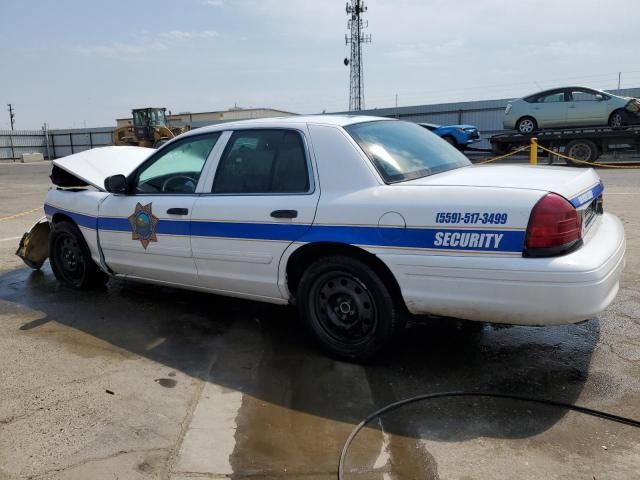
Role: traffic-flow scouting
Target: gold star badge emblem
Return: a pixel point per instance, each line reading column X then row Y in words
column 143, row 225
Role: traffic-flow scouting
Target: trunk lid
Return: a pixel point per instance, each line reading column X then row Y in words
column 573, row 184
column 93, row 166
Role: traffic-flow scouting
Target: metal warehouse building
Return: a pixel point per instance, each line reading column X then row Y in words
column 200, row 119
column 484, row 114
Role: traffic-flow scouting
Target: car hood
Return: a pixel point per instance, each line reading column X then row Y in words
column 568, row 182
column 93, row 166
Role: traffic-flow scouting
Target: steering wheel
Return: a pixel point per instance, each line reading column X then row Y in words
column 187, row 186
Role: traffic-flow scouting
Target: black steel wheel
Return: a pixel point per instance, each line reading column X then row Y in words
column 583, row 150
column 71, row 259
column 347, row 307
column 618, row 118
column 527, row 125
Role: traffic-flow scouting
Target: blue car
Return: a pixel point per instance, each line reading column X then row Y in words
column 460, row 136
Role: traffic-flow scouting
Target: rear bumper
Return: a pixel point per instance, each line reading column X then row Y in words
column 516, row 290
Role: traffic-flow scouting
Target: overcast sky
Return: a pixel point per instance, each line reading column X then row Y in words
column 77, row 62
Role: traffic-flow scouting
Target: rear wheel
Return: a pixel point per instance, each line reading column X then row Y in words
column 618, row 118
column 347, row 307
column 527, row 125
column 71, row 259
column 583, row 150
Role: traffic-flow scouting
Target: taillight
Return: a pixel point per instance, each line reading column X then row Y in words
column 554, row 227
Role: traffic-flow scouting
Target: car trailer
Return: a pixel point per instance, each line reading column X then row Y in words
column 585, row 143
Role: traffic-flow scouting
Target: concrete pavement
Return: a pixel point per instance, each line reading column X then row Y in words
column 144, row 382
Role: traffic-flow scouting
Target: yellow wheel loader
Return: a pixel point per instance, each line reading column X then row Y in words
column 149, row 129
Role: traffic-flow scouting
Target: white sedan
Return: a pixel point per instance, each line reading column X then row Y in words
column 570, row 107
column 358, row 221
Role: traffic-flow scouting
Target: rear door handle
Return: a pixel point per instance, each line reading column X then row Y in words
column 178, row 211
column 284, row 213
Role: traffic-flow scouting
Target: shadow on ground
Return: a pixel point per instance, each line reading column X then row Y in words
column 262, row 351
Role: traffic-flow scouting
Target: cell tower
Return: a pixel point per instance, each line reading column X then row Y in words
column 355, row 10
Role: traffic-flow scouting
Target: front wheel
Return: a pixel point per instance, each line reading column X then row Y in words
column 71, row 259
column 347, row 307
column 618, row 118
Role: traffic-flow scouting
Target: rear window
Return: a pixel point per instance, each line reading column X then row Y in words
column 404, row 151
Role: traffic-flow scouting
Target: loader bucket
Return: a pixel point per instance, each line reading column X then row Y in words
column 34, row 245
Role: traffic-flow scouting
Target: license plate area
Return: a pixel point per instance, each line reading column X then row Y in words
column 590, row 213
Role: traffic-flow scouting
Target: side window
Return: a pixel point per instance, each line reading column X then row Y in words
column 177, row 168
column 555, row 97
column 582, row 96
column 263, row 161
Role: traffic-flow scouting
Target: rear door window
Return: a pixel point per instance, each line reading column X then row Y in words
column 269, row 161
column 583, row 96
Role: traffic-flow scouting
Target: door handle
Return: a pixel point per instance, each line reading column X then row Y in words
column 284, row 213
column 178, row 211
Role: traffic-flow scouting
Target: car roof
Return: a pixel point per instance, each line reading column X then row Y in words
column 580, row 87
column 289, row 121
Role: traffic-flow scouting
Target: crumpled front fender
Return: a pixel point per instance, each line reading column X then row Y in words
column 633, row 106
column 34, row 245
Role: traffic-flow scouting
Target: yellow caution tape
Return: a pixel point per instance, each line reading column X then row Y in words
column 493, row 159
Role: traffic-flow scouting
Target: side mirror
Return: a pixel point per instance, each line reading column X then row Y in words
column 599, row 97
column 116, row 184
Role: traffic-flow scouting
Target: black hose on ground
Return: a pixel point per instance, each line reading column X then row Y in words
column 430, row 396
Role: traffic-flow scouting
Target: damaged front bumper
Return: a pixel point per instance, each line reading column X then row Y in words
column 633, row 106
column 34, row 245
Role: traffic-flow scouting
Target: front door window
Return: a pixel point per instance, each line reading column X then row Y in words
column 176, row 169
column 555, row 97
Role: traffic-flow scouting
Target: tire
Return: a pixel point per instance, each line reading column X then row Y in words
column 451, row 141
column 585, row 150
column 618, row 119
column 347, row 307
column 527, row 125
column 71, row 260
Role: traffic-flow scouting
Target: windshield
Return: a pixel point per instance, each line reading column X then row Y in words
column 141, row 118
column 404, row 151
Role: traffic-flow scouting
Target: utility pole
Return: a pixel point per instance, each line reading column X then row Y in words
column 355, row 9
column 619, row 79
column 45, row 130
column 12, row 114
